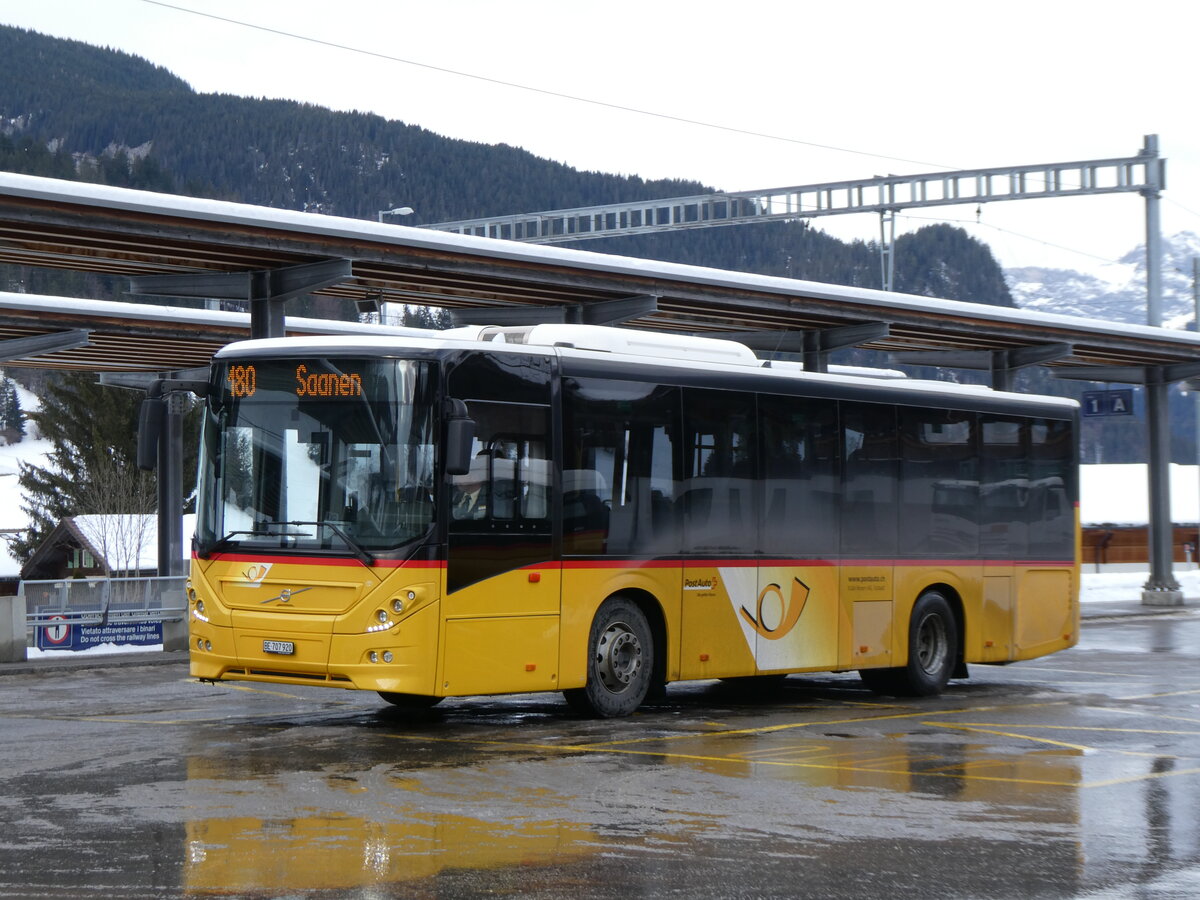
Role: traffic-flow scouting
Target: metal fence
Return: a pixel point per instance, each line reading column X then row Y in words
column 103, row 601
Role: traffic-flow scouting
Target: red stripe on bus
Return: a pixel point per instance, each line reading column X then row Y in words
column 325, row 560
column 651, row 563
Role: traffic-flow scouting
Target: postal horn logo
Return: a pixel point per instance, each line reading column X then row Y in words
column 253, row 574
column 789, row 615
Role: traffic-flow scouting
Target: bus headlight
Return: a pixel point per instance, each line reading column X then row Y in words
column 397, row 606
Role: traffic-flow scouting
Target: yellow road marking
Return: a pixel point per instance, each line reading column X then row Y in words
column 975, row 730
column 253, row 690
column 1149, row 713
column 693, row 757
column 1156, row 696
column 1099, row 728
column 771, row 729
column 1079, row 671
column 1133, row 779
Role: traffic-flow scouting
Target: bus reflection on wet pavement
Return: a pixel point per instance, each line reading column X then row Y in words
column 1073, row 776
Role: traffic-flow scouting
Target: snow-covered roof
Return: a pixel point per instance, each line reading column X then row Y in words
column 144, row 313
column 128, row 543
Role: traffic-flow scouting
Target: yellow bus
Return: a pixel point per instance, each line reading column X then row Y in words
column 602, row 512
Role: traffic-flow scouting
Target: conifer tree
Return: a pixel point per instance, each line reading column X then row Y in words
column 12, row 419
column 91, row 466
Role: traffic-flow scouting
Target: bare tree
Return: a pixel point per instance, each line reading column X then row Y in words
column 118, row 505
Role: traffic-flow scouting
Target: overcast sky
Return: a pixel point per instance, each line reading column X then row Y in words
column 803, row 92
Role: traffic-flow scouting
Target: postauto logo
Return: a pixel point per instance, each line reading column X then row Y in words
column 791, row 608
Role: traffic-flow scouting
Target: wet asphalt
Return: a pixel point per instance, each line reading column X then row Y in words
column 1073, row 776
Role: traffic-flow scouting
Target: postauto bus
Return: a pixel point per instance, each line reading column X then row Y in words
column 603, row 511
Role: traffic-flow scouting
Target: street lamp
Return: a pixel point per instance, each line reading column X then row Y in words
column 398, row 211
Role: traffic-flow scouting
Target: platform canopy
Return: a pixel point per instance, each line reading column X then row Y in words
column 93, row 228
column 43, row 332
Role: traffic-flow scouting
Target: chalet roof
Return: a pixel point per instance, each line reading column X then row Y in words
column 121, row 544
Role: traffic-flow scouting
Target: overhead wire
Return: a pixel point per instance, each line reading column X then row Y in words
column 731, row 129
column 1008, row 231
column 598, row 103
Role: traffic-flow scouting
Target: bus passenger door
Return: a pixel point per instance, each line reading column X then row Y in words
column 502, row 601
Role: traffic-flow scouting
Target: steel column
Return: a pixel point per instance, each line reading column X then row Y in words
column 1162, row 589
column 1155, row 177
column 170, row 488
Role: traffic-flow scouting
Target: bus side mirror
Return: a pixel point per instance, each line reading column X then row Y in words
column 460, row 433
column 150, row 427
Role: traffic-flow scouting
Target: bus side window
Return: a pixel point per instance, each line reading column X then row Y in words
column 1003, row 488
column 507, row 485
column 619, row 483
column 800, row 488
column 939, row 483
column 1051, row 489
column 720, row 496
column 869, row 509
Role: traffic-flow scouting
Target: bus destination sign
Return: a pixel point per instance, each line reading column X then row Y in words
column 243, row 382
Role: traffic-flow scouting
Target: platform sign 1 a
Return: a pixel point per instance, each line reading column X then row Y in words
column 1108, row 403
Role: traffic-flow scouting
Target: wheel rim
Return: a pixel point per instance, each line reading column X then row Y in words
column 618, row 657
column 931, row 644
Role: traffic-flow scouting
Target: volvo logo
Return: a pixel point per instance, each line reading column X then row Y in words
column 286, row 594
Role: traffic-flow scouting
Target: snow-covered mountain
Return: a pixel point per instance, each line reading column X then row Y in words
column 1114, row 292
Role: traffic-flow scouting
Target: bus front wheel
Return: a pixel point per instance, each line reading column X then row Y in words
column 932, row 652
column 620, row 662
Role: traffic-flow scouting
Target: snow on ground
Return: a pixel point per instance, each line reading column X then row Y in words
column 1110, row 587
column 12, row 516
column 97, row 650
column 1117, row 494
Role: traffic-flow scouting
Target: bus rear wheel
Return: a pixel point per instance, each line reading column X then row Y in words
column 932, row 652
column 620, row 662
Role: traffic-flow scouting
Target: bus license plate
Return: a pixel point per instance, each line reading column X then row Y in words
column 284, row 648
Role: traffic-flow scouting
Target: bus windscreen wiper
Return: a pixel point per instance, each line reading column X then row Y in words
column 363, row 556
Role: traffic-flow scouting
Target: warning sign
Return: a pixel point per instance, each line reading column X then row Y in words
column 60, row 634
column 56, row 636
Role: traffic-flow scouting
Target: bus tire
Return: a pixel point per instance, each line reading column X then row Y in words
column 620, row 662
column 410, row 702
column 932, row 652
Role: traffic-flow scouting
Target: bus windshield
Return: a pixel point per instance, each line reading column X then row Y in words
column 324, row 454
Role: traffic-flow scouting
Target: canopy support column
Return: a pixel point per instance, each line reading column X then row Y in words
column 1161, row 589
column 268, row 290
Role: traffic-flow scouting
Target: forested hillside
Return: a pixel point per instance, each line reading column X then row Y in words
column 70, row 110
